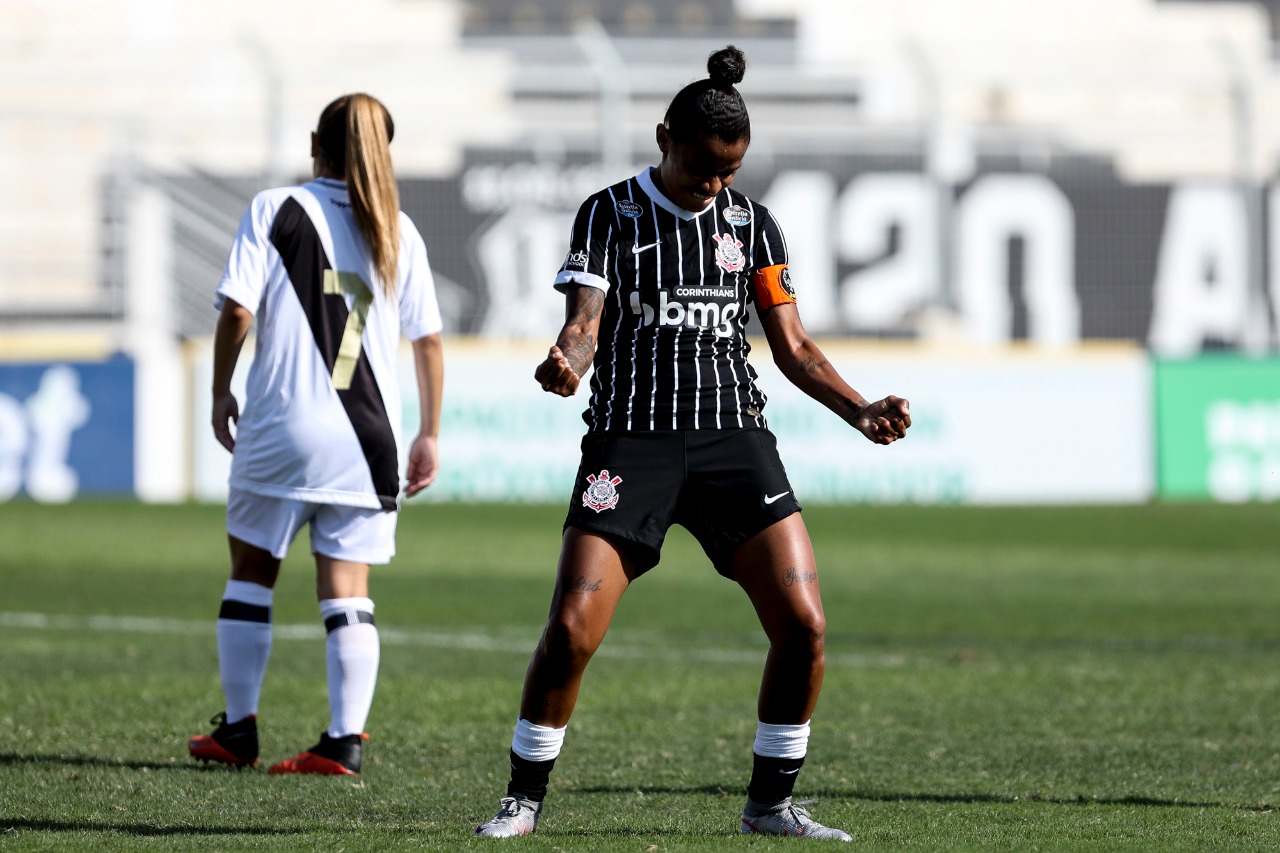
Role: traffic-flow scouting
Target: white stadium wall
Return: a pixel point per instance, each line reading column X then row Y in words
column 988, row 428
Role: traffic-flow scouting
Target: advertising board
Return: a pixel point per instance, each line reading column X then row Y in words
column 66, row 429
column 1218, row 428
column 990, row 428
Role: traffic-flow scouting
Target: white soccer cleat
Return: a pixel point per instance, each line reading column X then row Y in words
column 789, row 819
column 515, row 817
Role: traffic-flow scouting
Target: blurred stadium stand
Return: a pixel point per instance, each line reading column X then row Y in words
column 620, row 18
column 1271, row 7
column 1114, row 100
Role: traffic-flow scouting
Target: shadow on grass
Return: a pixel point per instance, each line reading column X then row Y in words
column 140, row 829
column 96, row 761
column 624, row 832
column 916, row 797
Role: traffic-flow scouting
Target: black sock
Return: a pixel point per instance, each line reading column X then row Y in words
column 529, row 778
column 773, row 779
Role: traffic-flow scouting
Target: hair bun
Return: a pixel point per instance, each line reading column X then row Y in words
column 727, row 66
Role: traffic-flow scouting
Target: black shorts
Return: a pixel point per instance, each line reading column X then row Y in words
column 724, row 486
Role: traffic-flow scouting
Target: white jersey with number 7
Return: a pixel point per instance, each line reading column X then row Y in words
column 321, row 418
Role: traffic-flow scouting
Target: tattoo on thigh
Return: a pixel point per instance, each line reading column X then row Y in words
column 581, row 584
column 794, row 576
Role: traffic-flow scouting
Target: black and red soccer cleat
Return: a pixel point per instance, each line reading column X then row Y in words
column 234, row 744
column 332, row 756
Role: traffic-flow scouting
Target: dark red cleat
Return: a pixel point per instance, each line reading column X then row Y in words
column 233, row 744
column 330, row 757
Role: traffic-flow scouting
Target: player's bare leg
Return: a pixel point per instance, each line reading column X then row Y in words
column 593, row 574
column 252, row 564
column 340, row 578
column 590, row 580
column 776, row 569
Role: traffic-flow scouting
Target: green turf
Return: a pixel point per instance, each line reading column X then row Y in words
column 998, row 679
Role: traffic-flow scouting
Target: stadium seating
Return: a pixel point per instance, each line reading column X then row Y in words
column 114, row 92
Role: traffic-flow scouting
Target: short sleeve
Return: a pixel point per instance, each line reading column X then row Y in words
column 590, row 239
column 245, row 278
column 770, row 247
column 419, row 308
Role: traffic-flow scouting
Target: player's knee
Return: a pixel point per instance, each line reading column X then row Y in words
column 814, row 638
column 567, row 639
column 258, row 571
column 803, row 636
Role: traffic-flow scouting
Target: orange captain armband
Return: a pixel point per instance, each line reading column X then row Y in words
column 773, row 286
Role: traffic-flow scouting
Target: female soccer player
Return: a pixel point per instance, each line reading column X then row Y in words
column 658, row 278
column 334, row 274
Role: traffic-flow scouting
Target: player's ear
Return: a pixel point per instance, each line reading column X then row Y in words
column 315, row 144
column 664, row 138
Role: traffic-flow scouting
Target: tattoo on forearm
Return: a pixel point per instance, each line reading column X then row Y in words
column 581, row 584
column 811, row 365
column 794, row 576
column 584, row 306
column 582, row 310
column 580, row 352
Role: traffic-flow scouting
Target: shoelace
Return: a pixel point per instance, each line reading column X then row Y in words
column 800, row 813
column 798, row 808
column 510, row 808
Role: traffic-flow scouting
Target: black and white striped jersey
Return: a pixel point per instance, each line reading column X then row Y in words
column 672, row 352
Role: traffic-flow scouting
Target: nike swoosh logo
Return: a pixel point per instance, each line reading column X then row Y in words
column 768, row 499
column 797, row 770
column 638, row 249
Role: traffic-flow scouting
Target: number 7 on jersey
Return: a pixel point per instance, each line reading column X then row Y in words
column 344, row 366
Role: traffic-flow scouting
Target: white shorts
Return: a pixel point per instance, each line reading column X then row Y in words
column 350, row 533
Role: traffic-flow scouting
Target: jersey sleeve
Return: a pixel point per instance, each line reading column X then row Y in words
column 587, row 261
column 771, row 276
column 419, row 308
column 246, row 274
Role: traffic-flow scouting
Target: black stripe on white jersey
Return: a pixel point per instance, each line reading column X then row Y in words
column 295, row 237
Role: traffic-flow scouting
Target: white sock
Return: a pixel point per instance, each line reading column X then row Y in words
column 244, row 645
column 351, row 655
column 536, row 743
column 781, row 741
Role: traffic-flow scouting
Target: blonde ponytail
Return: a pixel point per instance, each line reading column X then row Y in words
column 371, row 183
column 360, row 127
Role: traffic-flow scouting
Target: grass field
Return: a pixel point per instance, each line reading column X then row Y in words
column 998, row 679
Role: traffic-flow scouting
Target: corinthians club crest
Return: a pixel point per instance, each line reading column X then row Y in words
column 602, row 493
column 729, row 252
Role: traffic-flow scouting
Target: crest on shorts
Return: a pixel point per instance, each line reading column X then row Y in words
column 602, row 491
column 729, row 252
column 737, row 215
